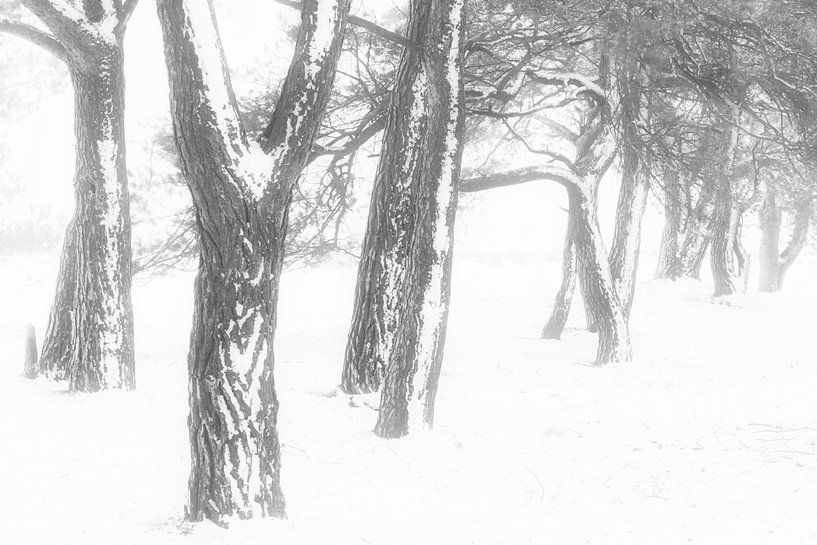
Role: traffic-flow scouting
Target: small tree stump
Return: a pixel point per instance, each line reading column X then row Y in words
column 30, row 367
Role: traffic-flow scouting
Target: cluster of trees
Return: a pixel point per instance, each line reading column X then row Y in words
column 707, row 105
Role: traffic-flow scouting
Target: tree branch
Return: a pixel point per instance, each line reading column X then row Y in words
column 519, row 176
column 365, row 24
column 34, row 35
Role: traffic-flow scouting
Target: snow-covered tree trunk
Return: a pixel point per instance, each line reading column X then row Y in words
column 632, row 197
column 413, row 369
column 632, row 202
column 102, row 335
column 392, row 216
column 241, row 192
column 561, row 305
column 57, row 342
column 614, row 335
column 89, row 339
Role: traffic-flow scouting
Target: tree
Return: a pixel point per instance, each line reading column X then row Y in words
column 89, row 340
column 241, row 193
column 427, row 115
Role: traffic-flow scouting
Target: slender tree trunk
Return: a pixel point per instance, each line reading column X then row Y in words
column 632, row 202
column 412, row 375
column 771, row 220
column 799, row 237
column 614, row 336
column 632, row 198
column 102, row 337
column 57, row 343
column 241, row 193
column 668, row 254
column 561, row 305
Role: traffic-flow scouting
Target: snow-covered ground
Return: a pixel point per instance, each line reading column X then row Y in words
column 709, row 436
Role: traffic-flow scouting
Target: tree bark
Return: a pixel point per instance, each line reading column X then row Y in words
column 57, row 343
column 89, row 339
column 392, row 215
column 614, row 335
column 668, row 266
column 632, row 202
column 241, row 193
column 413, row 370
column 561, row 305
column 102, row 337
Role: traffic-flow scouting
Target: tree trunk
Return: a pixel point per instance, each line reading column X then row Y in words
column 614, row 335
column 561, row 305
column 57, row 343
column 392, row 216
column 632, row 197
column 102, row 337
column 799, row 237
column 771, row 220
column 730, row 262
column 668, row 254
column 632, row 202
column 241, row 193
column 413, row 370
column 30, row 363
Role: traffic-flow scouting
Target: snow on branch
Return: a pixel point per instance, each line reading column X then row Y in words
column 519, row 176
column 34, row 35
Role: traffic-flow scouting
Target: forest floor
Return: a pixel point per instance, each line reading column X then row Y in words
column 709, row 436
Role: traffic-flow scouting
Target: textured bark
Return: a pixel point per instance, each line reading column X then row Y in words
column 57, row 343
column 614, row 335
column 30, row 362
column 412, row 374
column 241, row 193
column 102, row 337
column 632, row 197
column 89, row 339
column 392, row 215
column 632, row 202
column 728, row 259
column 564, row 297
column 670, row 248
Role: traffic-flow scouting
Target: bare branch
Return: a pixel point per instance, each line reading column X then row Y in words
column 372, row 28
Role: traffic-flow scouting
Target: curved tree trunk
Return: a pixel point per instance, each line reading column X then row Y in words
column 241, row 193
column 564, row 297
column 799, row 237
column 57, row 342
column 413, row 370
column 614, row 335
column 773, row 263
